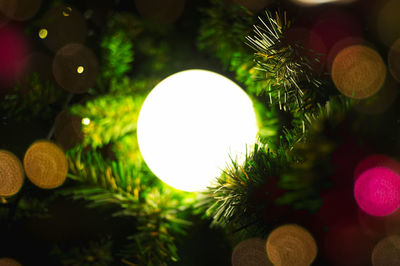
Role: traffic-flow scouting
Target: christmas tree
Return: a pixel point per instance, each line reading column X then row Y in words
column 218, row 132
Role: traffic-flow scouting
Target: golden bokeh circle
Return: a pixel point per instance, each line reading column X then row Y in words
column 358, row 72
column 387, row 252
column 291, row 244
column 11, row 174
column 45, row 164
column 250, row 252
column 9, row 262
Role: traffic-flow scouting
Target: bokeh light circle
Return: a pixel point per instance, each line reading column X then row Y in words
column 358, row 72
column 387, row 252
column 45, row 164
column 190, row 125
column 11, row 174
column 67, row 64
column 250, row 252
column 62, row 29
column 377, row 191
column 291, row 244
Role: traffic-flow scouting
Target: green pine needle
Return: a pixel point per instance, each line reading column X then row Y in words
column 285, row 65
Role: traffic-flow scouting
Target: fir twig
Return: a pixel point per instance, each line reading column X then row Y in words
column 287, row 67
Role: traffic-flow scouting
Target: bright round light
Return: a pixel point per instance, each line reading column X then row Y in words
column 377, row 191
column 190, row 125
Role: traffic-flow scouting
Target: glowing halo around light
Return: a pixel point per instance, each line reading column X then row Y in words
column 190, row 125
column 377, row 191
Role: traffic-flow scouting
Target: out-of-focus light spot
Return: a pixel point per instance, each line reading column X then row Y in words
column 43, row 33
column 394, row 60
column 20, row 10
column 65, row 24
column 291, row 245
column 45, row 164
column 11, row 173
column 387, row 252
column 68, row 75
column 358, row 72
column 86, row 121
column 162, row 11
column 377, row 191
column 389, row 21
column 195, row 104
column 9, row 262
column 80, row 69
column 67, row 11
column 253, row 5
column 250, row 252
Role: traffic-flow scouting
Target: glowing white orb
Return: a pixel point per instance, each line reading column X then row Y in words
column 191, row 124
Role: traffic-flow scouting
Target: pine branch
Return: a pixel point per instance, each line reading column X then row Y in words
column 159, row 212
column 286, row 66
column 234, row 202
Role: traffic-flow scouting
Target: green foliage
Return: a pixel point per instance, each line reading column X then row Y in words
column 223, row 29
column 113, row 118
column 116, row 50
column 117, row 55
column 222, row 34
column 289, row 70
column 159, row 211
column 31, row 99
column 234, row 201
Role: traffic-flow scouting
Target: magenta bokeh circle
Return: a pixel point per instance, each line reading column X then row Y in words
column 377, row 191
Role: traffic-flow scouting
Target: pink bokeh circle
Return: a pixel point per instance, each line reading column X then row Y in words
column 377, row 191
